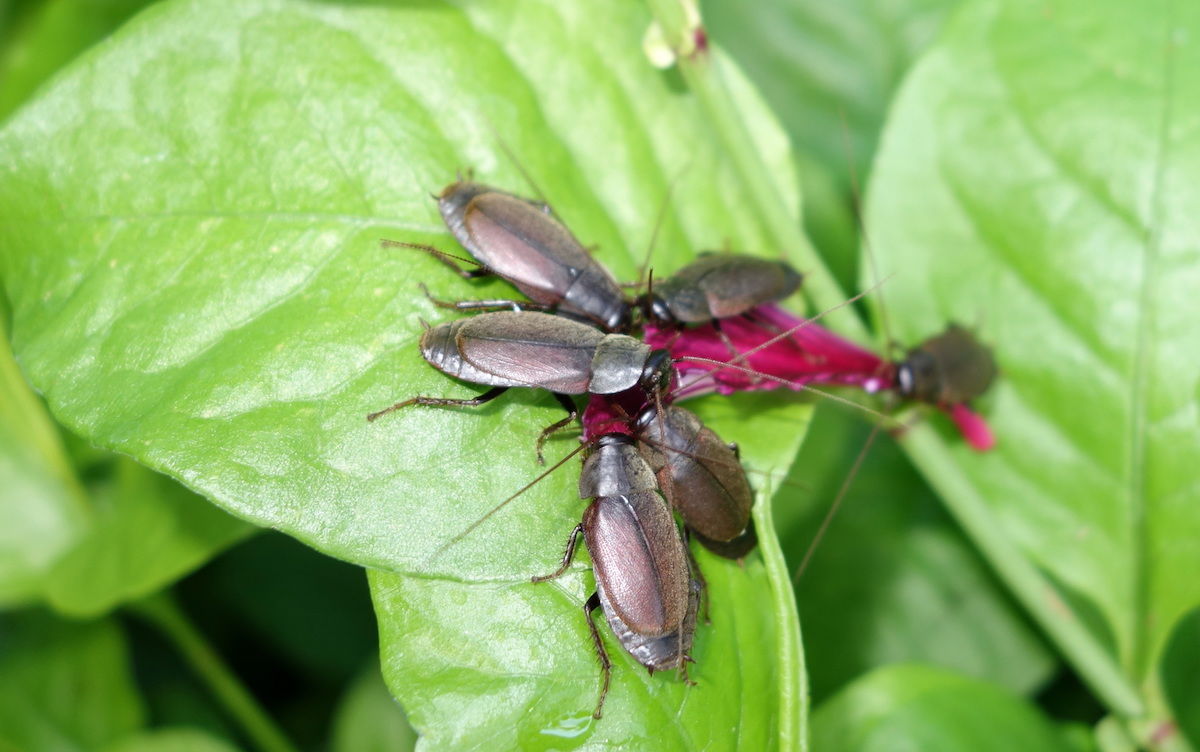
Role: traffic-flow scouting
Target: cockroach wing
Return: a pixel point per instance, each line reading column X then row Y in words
column 968, row 368
column 453, row 202
column 640, row 563
column 720, row 285
column 658, row 653
column 700, row 474
column 439, row 346
column 532, row 349
column 519, row 241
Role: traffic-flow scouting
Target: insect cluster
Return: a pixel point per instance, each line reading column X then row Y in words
column 713, row 326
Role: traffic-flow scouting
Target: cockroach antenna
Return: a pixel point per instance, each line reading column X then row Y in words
column 446, row 258
column 659, row 219
column 520, row 167
column 830, row 513
column 474, row 525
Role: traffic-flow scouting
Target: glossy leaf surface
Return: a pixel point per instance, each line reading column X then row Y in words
column 197, row 207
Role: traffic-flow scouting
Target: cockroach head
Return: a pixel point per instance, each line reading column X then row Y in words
column 656, row 374
column 654, row 308
column 620, row 320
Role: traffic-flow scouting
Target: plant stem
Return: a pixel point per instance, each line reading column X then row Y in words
column 1095, row 664
column 161, row 611
column 793, row 680
column 702, row 73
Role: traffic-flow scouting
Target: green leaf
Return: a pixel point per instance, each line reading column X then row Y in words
column 64, row 686
column 172, row 740
column 48, row 37
column 917, row 707
column 197, row 206
column 1039, row 177
column 43, row 509
column 149, row 532
column 1181, row 676
column 893, row 580
column 369, row 720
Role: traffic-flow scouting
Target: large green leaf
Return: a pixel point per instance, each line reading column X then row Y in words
column 63, row 686
column 191, row 215
column 914, row 707
column 1039, row 177
column 480, row 638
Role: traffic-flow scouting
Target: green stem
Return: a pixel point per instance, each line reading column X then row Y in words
column 702, row 73
column 793, row 681
column 162, row 612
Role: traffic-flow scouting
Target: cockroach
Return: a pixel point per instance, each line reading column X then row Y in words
column 701, row 475
column 644, row 582
column 949, row 368
column 525, row 349
column 947, row 371
column 718, row 286
column 519, row 240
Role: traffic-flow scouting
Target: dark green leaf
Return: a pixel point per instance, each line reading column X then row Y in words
column 1039, row 178
column 1181, row 677
column 828, row 69
column 64, row 686
column 312, row 611
column 914, row 707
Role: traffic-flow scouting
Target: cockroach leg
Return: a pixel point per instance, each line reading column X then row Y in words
column 725, row 340
column 492, row 304
column 592, row 604
column 548, row 431
column 568, row 555
column 440, row 255
column 487, row 396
